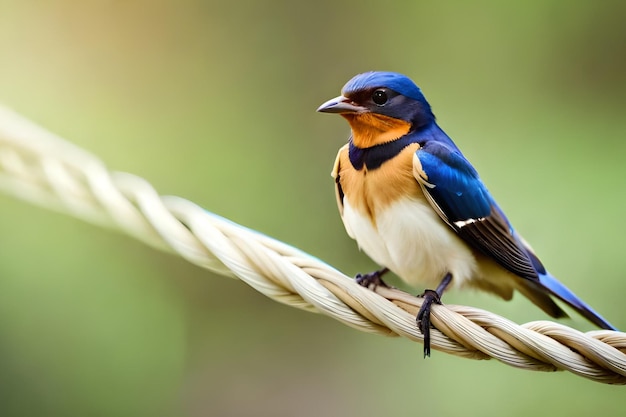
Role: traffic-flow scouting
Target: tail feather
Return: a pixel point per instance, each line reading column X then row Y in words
column 566, row 295
column 537, row 293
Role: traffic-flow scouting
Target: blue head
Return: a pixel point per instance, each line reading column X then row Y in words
column 385, row 93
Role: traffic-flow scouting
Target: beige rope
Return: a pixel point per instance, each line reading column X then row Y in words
column 44, row 169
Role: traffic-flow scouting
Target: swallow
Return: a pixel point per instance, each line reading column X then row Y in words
column 417, row 207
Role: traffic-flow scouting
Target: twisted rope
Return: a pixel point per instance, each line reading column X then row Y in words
column 44, row 169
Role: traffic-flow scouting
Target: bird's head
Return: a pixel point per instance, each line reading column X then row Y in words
column 381, row 107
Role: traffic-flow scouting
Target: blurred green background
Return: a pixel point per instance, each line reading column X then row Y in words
column 215, row 101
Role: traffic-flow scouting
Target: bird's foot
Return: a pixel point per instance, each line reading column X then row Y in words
column 423, row 315
column 373, row 278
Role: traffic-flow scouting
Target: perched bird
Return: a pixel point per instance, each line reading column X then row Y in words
column 417, row 207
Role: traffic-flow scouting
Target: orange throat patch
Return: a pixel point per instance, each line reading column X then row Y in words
column 370, row 129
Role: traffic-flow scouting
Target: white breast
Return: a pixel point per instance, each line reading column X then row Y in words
column 411, row 240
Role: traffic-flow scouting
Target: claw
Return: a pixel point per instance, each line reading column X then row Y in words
column 373, row 278
column 423, row 315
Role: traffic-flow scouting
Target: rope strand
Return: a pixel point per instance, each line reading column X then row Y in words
column 42, row 168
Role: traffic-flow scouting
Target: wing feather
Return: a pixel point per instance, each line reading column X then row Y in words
column 335, row 174
column 454, row 190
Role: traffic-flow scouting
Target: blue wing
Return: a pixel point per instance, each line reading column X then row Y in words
column 456, row 192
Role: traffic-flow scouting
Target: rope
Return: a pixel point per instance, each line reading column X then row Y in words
column 40, row 167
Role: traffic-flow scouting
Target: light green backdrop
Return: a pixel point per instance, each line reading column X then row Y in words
column 215, row 102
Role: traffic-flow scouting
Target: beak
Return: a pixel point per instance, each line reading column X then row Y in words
column 340, row 105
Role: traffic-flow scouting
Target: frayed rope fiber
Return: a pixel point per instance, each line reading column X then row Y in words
column 42, row 168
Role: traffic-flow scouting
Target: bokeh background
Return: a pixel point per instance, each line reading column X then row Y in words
column 215, row 101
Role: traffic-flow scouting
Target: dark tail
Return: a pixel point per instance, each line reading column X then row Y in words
column 560, row 291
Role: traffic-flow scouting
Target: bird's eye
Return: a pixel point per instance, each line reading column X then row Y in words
column 380, row 97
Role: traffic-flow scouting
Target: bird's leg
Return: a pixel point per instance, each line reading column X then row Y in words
column 423, row 316
column 375, row 278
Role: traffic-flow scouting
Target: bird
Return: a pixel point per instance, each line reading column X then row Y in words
column 417, row 207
